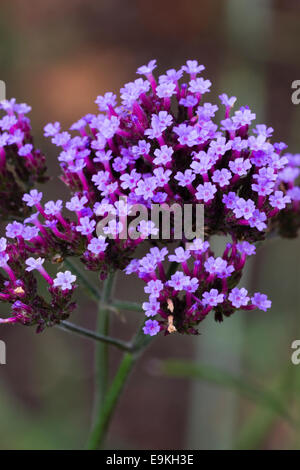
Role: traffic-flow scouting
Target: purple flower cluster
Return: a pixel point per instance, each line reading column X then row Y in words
column 206, row 283
column 21, row 164
column 160, row 145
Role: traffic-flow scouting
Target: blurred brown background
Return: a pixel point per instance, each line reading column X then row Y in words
column 58, row 56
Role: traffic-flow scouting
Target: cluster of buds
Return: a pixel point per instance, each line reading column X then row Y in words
column 160, row 146
column 21, row 164
column 19, row 287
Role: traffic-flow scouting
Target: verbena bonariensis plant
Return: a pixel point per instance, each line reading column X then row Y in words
column 160, row 146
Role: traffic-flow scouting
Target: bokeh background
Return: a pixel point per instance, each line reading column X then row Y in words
column 58, row 55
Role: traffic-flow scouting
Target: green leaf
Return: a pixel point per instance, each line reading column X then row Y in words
column 242, row 385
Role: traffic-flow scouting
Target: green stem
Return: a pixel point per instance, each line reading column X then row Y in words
column 124, row 305
column 106, row 412
column 102, row 348
column 65, row 325
column 110, row 402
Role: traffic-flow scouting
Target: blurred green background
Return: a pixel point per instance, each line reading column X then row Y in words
column 57, row 55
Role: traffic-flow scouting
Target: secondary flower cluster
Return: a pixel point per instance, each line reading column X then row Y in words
column 21, row 164
column 205, row 283
column 161, row 145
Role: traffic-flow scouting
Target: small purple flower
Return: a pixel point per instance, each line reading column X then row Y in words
column 205, row 192
column 103, row 102
column 189, row 102
column 163, row 155
column 166, row 89
column 279, row 200
column 261, row 301
column 4, row 258
column 199, row 85
column 288, row 174
column 76, row 204
column 109, row 126
column 222, row 177
column 212, row 298
column 294, row 193
column 199, row 245
column 178, row 281
column 120, row 164
column 22, row 108
column 147, row 69
column 15, row 229
column 171, row 75
column 25, row 150
column 53, row 208
column 147, row 228
column 226, row 101
column 129, row 181
column 33, row 198
column 263, row 187
column 218, row 267
column 8, row 105
column 159, row 255
column 207, row 111
column 142, row 148
column 187, row 135
column 180, row 255
column 132, row 91
column 243, row 116
column 154, row 288
column 186, row 178
column 3, row 244
column 101, row 179
column 30, row 232
column 162, row 176
column 64, row 280
column 151, row 327
column 34, row 263
column 77, row 166
column 132, row 267
column 146, row 187
column 86, row 226
column 113, row 228
column 262, row 129
column 97, row 245
column 192, row 67
column 193, row 285
column 246, row 248
column 230, row 200
column 151, row 308
column 62, row 139
column 240, row 166
column 244, row 208
column 163, row 120
column 7, row 122
column 239, row 297
column 148, row 264
column 258, row 220
column 202, row 164
column 220, row 146
column 5, row 139
column 50, row 130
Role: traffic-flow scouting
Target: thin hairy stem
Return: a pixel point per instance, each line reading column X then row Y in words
column 124, row 305
column 71, row 327
column 128, row 361
column 102, row 348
